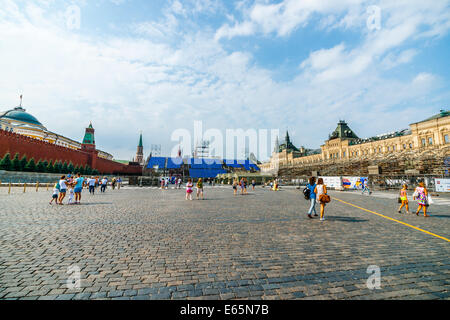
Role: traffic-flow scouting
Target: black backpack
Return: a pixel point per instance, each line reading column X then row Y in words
column 307, row 193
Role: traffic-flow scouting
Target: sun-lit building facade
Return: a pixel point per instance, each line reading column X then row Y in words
column 343, row 145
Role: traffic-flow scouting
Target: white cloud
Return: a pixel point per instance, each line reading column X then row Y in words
column 167, row 76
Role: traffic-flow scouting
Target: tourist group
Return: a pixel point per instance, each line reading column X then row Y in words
column 74, row 185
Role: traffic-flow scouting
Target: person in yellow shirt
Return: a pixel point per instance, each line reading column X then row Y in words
column 200, row 188
column 404, row 199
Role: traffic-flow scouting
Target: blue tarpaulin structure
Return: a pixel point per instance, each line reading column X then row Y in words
column 205, row 173
column 159, row 162
column 174, row 163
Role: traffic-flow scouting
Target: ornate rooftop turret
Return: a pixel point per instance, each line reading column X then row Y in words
column 343, row 131
column 288, row 145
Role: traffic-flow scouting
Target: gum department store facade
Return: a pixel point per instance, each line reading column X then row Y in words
column 424, row 148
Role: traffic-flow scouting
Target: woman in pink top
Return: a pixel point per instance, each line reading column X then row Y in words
column 422, row 197
column 189, row 186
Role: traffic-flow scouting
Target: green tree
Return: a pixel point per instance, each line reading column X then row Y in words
column 23, row 162
column 64, row 168
column 81, row 170
column 58, row 167
column 50, row 168
column 70, row 167
column 31, row 166
column 6, row 163
column 16, row 166
column 95, row 172
column 87, row 170
column 40, row 167
column 76, row 169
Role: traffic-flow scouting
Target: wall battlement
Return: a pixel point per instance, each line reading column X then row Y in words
column 40, row 150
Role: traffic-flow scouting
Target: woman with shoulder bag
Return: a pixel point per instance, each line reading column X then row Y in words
column 322, row 197
column 421, row 194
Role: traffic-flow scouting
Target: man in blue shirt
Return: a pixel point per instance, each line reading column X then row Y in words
column 78, row 188
column 312, row 197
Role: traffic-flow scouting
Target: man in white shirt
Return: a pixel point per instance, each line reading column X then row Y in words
column 91, row 183
column 104, row 184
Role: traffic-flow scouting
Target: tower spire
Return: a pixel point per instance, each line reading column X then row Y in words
column 140, row 151
column 140, row 141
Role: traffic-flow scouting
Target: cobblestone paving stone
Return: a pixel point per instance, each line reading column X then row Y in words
column 152, row 244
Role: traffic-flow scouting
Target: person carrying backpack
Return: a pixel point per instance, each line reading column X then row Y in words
column 311, row 196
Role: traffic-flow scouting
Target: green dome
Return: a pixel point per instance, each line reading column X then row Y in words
column 19, row 114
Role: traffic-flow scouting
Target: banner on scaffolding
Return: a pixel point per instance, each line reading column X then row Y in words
column 353, row 182
column 442, row 185
column 332, row 182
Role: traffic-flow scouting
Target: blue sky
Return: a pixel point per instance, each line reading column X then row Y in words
column 158, row 66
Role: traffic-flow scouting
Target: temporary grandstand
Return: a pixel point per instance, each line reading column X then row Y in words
column 199, row 167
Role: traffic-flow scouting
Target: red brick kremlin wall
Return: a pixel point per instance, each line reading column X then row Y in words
column 40, row 150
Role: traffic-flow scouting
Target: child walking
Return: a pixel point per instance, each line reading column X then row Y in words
column 71, row 194
column 404, row 199
column 55, row 193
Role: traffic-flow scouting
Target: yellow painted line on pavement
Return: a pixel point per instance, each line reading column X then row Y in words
column 392, row 219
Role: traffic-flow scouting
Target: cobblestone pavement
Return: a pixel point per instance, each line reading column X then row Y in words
column 152, row 244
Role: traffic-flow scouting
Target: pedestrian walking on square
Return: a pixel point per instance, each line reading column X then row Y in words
column 242, row 185
column 179, row 183
column 91, row 184
column 235, row 186
column 71, row 195
column 312, row 196
column 62, row 189
column 104, row 184
column 365, row 187
column 55, row 193
column 253, row 184
column 189, row 186
column 78, row 188
column 322, row 197
column 200, row 188
column 421, row 194
column 404, row 199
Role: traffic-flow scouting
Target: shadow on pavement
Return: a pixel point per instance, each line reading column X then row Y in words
column 345, row 219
